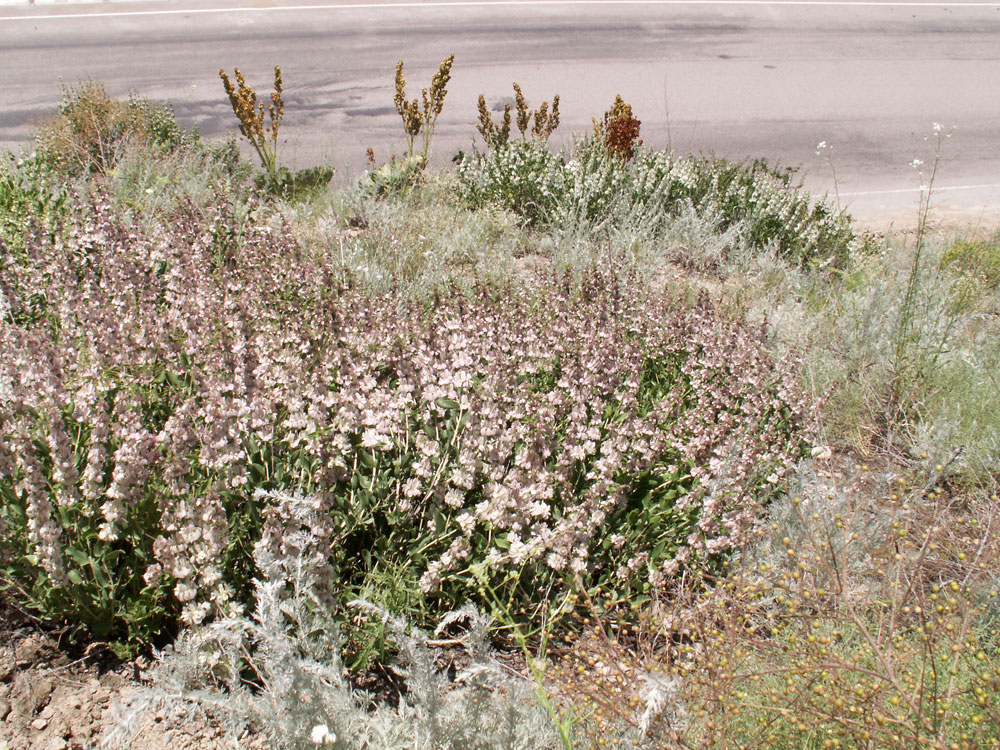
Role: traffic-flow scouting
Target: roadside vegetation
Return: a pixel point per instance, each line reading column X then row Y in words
column 594, row 447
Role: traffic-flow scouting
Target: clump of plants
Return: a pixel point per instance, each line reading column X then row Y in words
column 524, row 177
column 278, row 671
column 910, row 374
column 395, row 177
column 857, row 621
column 601, row 189
column 262, row 134
column 29, row 197
column 92, row 131
column 420, row 115
column 250, row 113
column 977, row 260
column 497, row 136
column 900, row 652
column 164, row 380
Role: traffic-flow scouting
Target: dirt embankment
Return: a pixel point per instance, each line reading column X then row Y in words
column 54, row 699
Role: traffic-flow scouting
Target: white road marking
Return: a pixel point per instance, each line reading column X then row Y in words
column 921, row 189
column 508, row 3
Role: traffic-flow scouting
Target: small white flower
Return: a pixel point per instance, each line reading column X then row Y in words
column 454, row 498
column 321, row 735
column 916, row 163
column 372, row 438
column 937, row 127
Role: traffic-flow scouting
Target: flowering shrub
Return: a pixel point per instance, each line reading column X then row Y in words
column 596, row 186
column 543, row 437
column 521, row 175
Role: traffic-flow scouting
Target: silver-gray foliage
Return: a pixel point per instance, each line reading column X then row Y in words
column 278, row 672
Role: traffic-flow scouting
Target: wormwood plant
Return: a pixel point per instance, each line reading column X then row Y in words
column 910, row 360
column 250, row 112
column 909, row 349
column 279, row 670
column 947, row 394
column 420, row 115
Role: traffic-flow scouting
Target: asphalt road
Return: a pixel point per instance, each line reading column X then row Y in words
column 737, row 78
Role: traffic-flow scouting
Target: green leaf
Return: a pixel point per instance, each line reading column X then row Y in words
column 366, row 458
column 446, row 403
column 101, row 578
column 253, row 447
column 79, row 556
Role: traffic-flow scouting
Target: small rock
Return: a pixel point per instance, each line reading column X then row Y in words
column 28, row 651
column 57, row 743
column 111, row 680
column 39, row 724
column 32, row 694
column 59, row 728
column 48, row 711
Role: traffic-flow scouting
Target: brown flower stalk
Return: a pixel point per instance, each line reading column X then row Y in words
column 250, row 112
column 420, row 115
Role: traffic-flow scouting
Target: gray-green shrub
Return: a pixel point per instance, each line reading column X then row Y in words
column 278, row 672
column 591, row 184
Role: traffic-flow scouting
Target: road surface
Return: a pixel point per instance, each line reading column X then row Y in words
column 738, row 78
